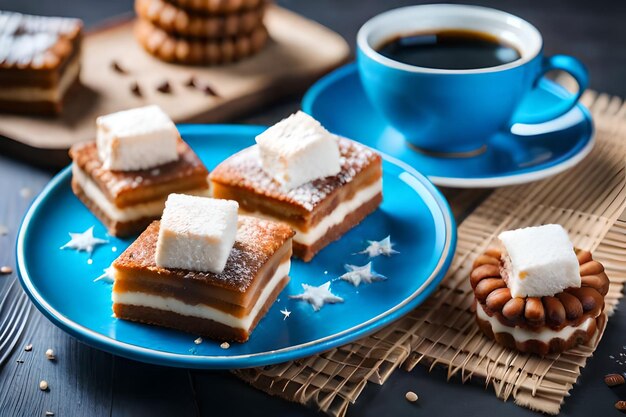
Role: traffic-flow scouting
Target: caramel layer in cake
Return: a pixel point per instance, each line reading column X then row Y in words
column 39, row 61
column 127, row 201
column 319, row 211
column 224, row 306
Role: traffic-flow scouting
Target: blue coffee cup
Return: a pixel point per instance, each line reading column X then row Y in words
column 457, row 111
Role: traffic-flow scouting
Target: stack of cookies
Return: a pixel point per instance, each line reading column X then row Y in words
column 209, row 32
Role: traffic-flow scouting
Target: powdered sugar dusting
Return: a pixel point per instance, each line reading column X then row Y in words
column 256, row 242
column 244, row 170
column 114, row 183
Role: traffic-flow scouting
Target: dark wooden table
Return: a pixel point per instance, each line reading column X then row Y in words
column 87, row 382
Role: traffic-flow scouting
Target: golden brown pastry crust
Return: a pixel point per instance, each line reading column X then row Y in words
column 126, row 188
column 262, row 239
column 569, row 308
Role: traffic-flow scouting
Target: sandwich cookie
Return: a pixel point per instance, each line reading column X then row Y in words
column 194, row 51
column 177, row 21
column 218, row 6
column 539, row 295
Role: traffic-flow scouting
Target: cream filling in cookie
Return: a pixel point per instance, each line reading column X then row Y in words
column 336, row 217
column 54, row 93
column 523, row 335
column 201, row 310
column 152, row 208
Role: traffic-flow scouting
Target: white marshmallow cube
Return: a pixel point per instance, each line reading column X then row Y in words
column 136, row 139
column 539, row 261
column 196, row 233
column 297, row 150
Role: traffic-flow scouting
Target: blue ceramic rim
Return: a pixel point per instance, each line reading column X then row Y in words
column 556, row 166
column 365, row 47
column 143, row 354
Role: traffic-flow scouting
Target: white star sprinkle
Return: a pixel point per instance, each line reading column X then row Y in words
column 83, row 241
column 357, row 274
column 285, row 313
column 317, row 296
column 381, row 247
column 108, row 276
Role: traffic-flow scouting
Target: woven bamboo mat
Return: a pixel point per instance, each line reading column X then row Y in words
column 589, row 201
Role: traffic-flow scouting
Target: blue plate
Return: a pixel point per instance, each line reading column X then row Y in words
column 529, row 153
column 60, row 282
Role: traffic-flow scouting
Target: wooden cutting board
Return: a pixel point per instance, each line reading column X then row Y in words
column 299, row 52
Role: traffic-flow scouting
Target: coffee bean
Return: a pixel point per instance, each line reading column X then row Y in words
column 164, row 87
column 613, row 380
column 134, row 88
column 118, row 68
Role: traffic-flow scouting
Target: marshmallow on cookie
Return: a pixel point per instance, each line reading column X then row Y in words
column 539, row 261
column 537, row 293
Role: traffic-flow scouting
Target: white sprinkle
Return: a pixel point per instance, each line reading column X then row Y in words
column 43, row 385
column 611, row 357
column 411, row 396
column 28, row 348
column 26, row 192
column 285, row 313
column 198, row 341
column 225, row 345
column 89, row 261
column 114, row 249
column 49, row 413
column 50, row 354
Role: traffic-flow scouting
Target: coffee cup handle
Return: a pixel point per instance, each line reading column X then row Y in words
column 527, row 113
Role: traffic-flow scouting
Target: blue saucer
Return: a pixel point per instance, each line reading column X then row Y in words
column 60, row 282
column 531, row 153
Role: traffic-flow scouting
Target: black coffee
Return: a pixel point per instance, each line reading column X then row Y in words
column 450, row 49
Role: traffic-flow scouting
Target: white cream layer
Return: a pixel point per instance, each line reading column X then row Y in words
column 523, row 335
column 153, row 208
column 54, row 93
column 337, row 216
column 203, row 311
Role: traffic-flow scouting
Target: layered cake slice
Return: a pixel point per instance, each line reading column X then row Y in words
column 203, row 269
column 300, row 174
column 138, row 159
column 39, row 61
column 538, row 294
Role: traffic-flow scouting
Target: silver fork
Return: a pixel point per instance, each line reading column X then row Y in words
column 15, row 309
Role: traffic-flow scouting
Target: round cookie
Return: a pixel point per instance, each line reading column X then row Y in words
column 218, row 6
column 199, row 51
column 540, row 325
column 178, row 21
